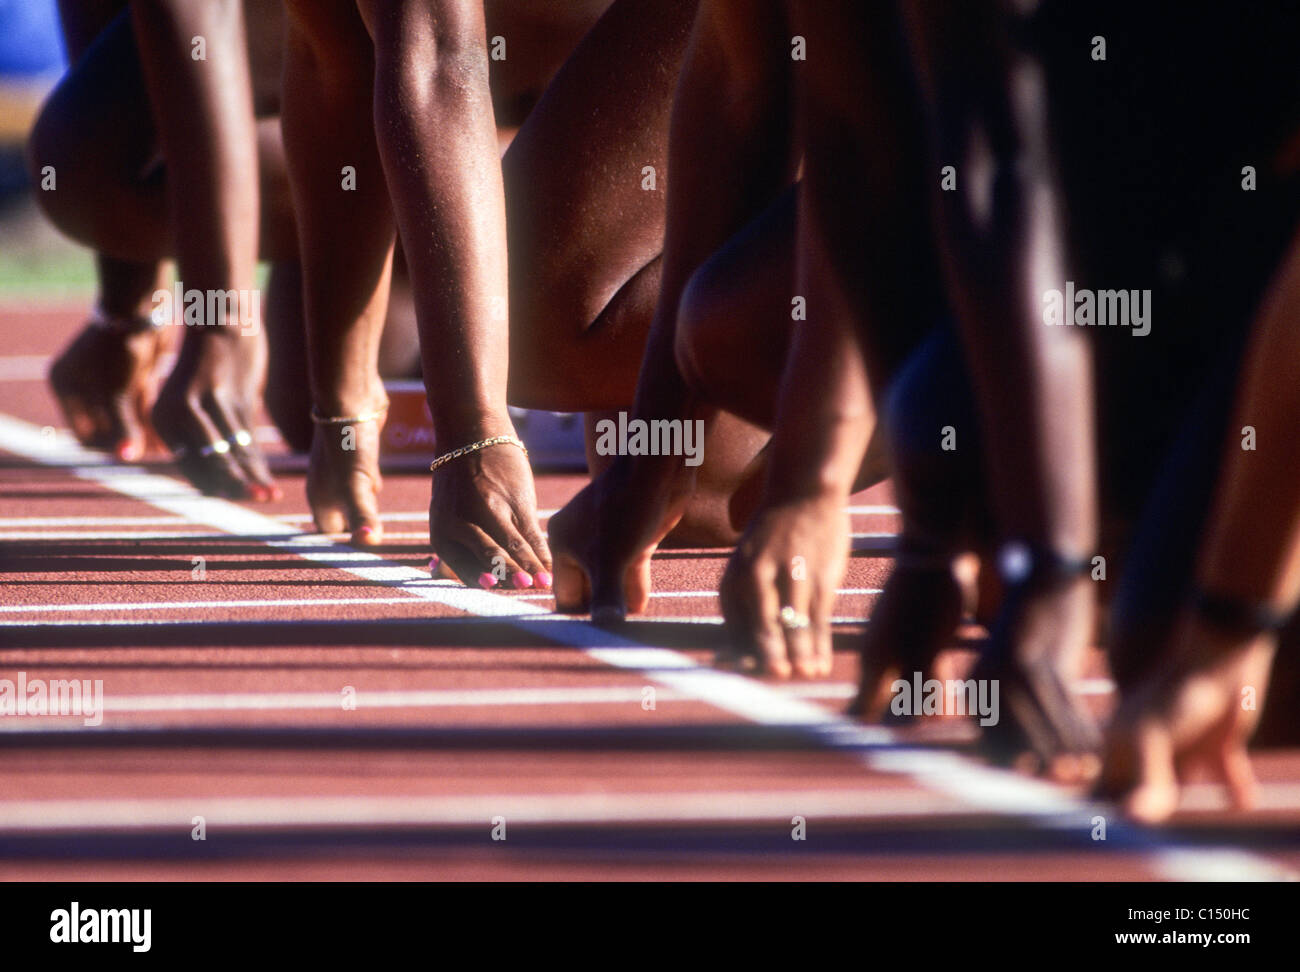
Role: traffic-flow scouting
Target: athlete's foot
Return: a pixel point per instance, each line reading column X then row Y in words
column 104, row 383
column 1194, row 714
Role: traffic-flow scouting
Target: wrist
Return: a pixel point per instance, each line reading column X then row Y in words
column 467, row 425
column 360, row 398
column 820, row 466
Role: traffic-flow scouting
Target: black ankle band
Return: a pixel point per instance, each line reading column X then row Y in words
column 131, row 324
column 1236, row 615
column 1028, row 566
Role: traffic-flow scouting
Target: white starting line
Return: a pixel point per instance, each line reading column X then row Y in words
column 978, row 787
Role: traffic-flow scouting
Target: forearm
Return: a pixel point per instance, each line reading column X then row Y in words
column 1002, row 249
column 1252, row 550
column 437, row 139
column 824, row 413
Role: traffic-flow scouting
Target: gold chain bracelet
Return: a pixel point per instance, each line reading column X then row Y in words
column 476, row 447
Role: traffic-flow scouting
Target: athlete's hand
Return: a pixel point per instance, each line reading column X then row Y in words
column 206, row 408
column 483, row 520
column 1196, row 712
column 779, row 588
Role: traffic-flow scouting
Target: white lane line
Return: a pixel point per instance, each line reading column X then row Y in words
column 422, row 535
column 982, row 787
column 109, row 606
column 414, row 516
column 234, row 813
column 134, row 536
column 550, row 618
column 113, row 606
column 137, row 535
column 42, row 522
column 402, row 699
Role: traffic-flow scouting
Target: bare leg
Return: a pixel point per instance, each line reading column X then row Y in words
column 329, row 72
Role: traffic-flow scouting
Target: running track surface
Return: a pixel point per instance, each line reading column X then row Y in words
column 337, row 714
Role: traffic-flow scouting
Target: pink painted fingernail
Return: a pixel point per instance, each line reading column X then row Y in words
column 487, row 581
column 434, row 563
column 543, row 578
column 128, row 451
column 522, row 579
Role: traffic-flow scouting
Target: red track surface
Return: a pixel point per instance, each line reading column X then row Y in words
column 224, row 700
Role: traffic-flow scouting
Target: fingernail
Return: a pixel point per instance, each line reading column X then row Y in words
column 522, row 579
column 257, row 492
column 487, row 581
column 128, row 451
column 366, row 534
column 434, row 563
column 543, row 578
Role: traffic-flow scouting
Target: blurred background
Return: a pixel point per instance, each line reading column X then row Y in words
column 36, row 262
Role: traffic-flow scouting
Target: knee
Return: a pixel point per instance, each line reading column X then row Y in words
column 53, row 165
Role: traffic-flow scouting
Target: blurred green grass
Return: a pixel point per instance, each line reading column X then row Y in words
column 37, row 263
column 62, row 277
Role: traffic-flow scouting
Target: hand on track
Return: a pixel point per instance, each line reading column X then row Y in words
column 483, row 520
column 779, row 588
